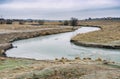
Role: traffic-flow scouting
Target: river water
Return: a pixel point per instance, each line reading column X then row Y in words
column 59, row 45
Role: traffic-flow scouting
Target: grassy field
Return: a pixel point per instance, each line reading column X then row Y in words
column 12, row 68
column 27, row 26
column 109, row 33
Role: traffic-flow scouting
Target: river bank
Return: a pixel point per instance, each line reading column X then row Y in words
column 8, row 37
column 99, row 45
column 12, row 68
column 107, row 37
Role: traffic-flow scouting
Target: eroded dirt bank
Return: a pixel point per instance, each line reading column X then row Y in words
column 9, row 36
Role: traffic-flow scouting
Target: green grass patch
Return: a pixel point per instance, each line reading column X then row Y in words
column 13, row 63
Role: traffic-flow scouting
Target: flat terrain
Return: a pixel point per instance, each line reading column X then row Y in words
column 12, row 68
column 17, row 68
column 108, row 35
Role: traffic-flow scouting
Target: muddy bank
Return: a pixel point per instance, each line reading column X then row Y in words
column 4, row 47
column 7, row 38
column 89, row 44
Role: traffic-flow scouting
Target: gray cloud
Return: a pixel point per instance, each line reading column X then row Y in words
column 59, row 9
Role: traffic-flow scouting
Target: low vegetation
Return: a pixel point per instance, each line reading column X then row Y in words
column 86, row 68
column 12, row 68
column 109, row 33
column 66, row 23
column 41, row 22
column 74, row 22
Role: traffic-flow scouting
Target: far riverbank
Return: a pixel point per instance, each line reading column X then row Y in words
column 8, row 37
column 107, row 37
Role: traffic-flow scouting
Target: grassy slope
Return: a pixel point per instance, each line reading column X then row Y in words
column 12, row 68
column 110, row 33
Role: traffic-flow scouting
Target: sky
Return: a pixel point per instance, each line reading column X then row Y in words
column 59, row 9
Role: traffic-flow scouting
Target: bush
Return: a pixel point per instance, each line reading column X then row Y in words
column 8, row 21
column 66, row 22
column 77, row 58
column 74, row 22
column 2, row 21
column 41, row 22
column 98, row 59
column 21, row 22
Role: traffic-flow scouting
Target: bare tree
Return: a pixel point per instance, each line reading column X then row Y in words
column 74, row 22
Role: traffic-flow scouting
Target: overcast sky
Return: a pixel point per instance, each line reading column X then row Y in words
column 59, row 9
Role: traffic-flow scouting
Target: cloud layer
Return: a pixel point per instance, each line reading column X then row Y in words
column 56, row 9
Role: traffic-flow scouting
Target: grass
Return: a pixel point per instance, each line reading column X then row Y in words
column 58, row 72
column 113, row 65
column 74, row 71
column 12, row 63
column 109, row 34
column 12, row 68
column 12, row 27
column 10, row 32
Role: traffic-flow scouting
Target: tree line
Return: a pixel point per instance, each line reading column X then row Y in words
column 72, row 22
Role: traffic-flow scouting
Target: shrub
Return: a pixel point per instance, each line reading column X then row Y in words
column 2, row 22
column 21, row 22
column 56, row 59
column 9, row 21
column 84, row 58
column 41, row 22
column 98, row 59
column 105, row 62
column 77, row 58
column 74, row 22
column 89, row 58
column 66, row 23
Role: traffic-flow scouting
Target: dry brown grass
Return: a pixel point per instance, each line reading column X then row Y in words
column 25, row 26
column 12, row 68
column 110, row 32
column 20, row 30
column 53, row 23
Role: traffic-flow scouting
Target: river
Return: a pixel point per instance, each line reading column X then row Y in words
column 58, row 45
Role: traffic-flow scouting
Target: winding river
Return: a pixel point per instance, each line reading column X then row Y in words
column 58, row 45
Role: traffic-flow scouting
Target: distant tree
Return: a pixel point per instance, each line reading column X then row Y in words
column 9, row 21
column 2, row 21
column 74, row 22
column 59, row 21
column 66, row 22
column 89, row 18
column 21, row 22
column 41, row 22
